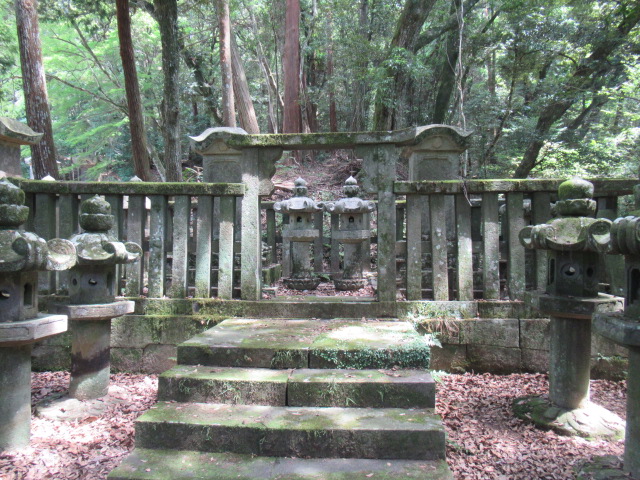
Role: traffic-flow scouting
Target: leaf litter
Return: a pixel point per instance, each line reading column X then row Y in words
column 484, row 439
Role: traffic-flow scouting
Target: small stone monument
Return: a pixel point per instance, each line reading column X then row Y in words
column 22, row 254
column 301, row 233
column 624, row 329
column 352, row 233
column 92, row 291
column 573, row 241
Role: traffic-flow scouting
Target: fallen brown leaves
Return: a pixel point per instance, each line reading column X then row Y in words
column 484, row 441
column 85, row 449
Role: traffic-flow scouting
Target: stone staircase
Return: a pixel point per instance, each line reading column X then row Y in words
column 295, row 400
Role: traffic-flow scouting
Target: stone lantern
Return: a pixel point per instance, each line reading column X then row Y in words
column 353, row 231
column 573, row 241
column 301, row 233
column 22, row 254
column 92, row 291
column 624, row 329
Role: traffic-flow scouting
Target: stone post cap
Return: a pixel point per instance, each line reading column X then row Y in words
column 299, row 203
column 25, row 251
column 18, row 133
column 95, row 246
column 351, row 204
column 625, row 236
column 575, row 229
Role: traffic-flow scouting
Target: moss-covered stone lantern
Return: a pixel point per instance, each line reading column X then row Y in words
column 301, row 232
column 352, row 232
column 624, row 329
column 573, row 241
column 22, row 255
column 92, row 291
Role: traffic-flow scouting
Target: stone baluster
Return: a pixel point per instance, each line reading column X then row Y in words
column 22, row 255
column 352, row 231
column 624, row 329
column 92, row 290
column 573, row 241
column 301, row 232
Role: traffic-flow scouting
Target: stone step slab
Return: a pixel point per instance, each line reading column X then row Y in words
column 303, row 387
column 312, row 343
column 247, row 386
column 146, row 464
column 361, row 388
column 307, row 432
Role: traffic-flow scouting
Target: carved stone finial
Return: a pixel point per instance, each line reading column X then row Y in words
column 13, row 213
column 95, row 215
column 300, row 189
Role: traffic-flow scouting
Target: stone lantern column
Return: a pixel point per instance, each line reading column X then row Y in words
column 22, row 254
column 352, row 232
column 573, row 241
column 624, row 329
column 92, row 290
column 301, row 233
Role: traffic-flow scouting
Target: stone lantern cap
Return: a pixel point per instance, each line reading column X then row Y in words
column 12, row 131
column 575, row 229
column 299, row 203
column 351, row 204
column 25, row 251
column 95, row 246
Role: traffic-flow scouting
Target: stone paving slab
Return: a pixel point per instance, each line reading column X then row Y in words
column 261, row 386
column 145, row 464
column 307, row 343
column 307, row 432
column 361, row 388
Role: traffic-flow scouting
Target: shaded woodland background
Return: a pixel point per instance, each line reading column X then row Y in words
column 550, row 88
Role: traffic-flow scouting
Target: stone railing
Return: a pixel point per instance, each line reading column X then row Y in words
column 173, row 222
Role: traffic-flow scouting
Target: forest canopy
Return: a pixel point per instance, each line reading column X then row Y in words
column 549, row 88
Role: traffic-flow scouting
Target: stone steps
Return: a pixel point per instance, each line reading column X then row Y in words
column 308, row 432
column 148, row 464
column 301, row 387
column 291, row 399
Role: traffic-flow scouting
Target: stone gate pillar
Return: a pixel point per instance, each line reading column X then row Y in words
column 229, row 156
column 13, row 134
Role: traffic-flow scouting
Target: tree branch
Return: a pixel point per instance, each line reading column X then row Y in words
column 104, row 99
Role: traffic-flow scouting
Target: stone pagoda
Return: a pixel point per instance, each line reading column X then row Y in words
column 300, row 233
column 353, row 231
column 22, row 255
column 573, row 241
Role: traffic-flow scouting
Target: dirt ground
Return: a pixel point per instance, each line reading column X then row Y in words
column 485, row 441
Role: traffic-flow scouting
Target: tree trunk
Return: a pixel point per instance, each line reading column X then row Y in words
column 166, row 13
column 246, row 112
column 447, row 71
column 585, row 75
column 36, row 98
column 359, row 100
column 226, row 69
column 132, row 89
column 292, row 119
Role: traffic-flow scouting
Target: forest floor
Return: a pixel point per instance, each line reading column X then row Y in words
column 484, row 439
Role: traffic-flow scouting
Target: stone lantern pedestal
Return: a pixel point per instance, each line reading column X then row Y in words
column 571, row 298
column 92, row 288
column 352, row 233
column 301, row 233
column 624, row 329
column 22, row 254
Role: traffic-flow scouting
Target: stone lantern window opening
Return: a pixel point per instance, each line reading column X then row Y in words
column 633, row 293
column 29, row 295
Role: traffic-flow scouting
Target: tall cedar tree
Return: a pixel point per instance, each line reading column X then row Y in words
column 132, row 88
column 43, row 154
column 226, row 69
column 292, row 117
column 166, row 14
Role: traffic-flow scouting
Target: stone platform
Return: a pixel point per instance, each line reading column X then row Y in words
column 296, row 399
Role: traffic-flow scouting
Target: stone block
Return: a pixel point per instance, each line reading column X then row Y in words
column 50, row 357
column 535, row 360
column 501, row 309
column 494, row 359
column 534, row 333
column 127, row 360
column 158, row 358
column 609, row 368
column 450, row 358
column 495, row 332
column 138, row 331
column 603, row 347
